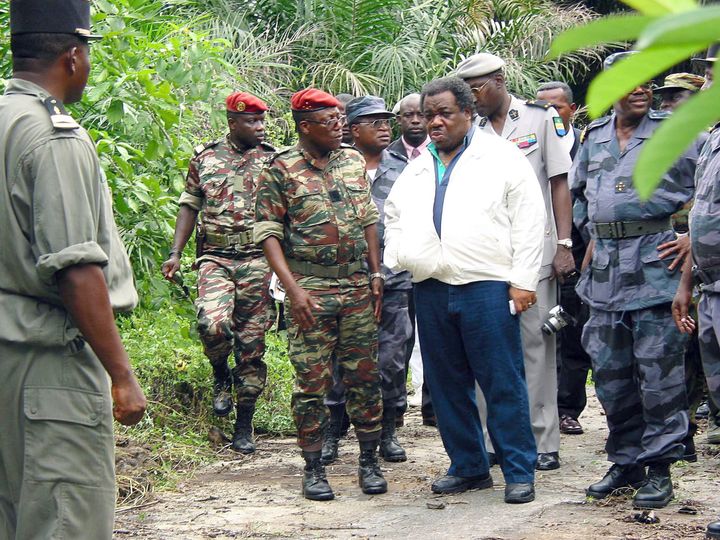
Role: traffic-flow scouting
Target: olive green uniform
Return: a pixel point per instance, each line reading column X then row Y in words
column 56, row 442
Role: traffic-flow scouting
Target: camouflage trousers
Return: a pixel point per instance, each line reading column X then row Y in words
column 709, row 337
column 234, row 311
column 393, row 336
column 638, row 367
column 344, row 327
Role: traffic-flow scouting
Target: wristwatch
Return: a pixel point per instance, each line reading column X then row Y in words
column 565, row 242
column 377, row 275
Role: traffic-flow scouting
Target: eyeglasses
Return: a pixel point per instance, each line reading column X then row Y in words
column 330, row 122
column 377, row 124
column 477, row 89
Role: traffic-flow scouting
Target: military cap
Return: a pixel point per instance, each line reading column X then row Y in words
column 478, row 65
column 51, row 17
column 613, row 58
column 711, row 56
column 242, row 102
column 364, row 106
column 682, row 81
column 312, row 99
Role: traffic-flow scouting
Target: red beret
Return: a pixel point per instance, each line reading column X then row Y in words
column 242, row 102
column 312, row 99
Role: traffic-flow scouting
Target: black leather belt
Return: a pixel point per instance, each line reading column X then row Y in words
column 631, row 229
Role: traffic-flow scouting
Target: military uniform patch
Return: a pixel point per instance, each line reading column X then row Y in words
column 559, row 126
column 514, row 114
column 483, row 122
column 58, row 115
column 525, row 141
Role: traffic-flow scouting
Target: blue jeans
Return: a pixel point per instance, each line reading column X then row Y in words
column 467, row 334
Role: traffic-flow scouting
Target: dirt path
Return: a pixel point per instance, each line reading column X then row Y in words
column 259, row 497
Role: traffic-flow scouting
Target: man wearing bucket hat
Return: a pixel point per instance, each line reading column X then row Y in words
column 63, row 272
column 677, row 89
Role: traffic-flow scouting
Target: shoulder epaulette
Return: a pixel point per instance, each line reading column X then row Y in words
column 539, row 103
column 599, row 122
column 279, row 152
column 200, row 148
column 398, row 155
column 58, row 115
column 267, row 146
column 350, row 147
column 658, row 115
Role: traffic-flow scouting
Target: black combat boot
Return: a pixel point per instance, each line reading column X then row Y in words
column 390, row 449
column 222, row 398
column 690, row 454
column 315, row 485
column 658, row 489
column 370, row 476
column 619, row 476
column 242, row 440
column 332, row 434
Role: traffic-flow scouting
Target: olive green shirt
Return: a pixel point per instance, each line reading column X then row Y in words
column 55, row 212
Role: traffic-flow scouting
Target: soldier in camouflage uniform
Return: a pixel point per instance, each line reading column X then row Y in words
column 233, row 305
column 317, row 224
column 636, row 352
column 369, row 123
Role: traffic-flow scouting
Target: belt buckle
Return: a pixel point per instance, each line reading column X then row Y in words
column 617, row 230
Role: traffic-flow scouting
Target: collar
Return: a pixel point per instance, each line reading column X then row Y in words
column 409, row 148
column 22, row 86
column 466, row 142
column 313, row 161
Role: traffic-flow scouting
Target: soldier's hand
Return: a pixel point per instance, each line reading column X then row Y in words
column 302, row 305
column 171, row 266
column 680, row 307
column 522, row 299
column 377, row 286
column 563, row 263
column 679, row 247
column 129, row 402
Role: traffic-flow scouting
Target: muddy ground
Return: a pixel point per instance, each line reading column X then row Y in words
column 259, row 497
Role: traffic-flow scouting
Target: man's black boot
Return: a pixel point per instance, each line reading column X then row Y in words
column 657, row 491
column 619, row 476
column 370, row 476
column 690, row 455
column 222, row 397
column 713, row 530
column 315, row 485
column 242, row 440
column 332, row 434
column 390, row 449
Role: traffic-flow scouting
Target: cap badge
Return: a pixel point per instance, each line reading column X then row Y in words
column 240, row 106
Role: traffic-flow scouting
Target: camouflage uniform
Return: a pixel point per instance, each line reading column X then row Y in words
column 233, row 305
column 705, row 240
column 636, row 350
column 395, row 325
column 319, row 215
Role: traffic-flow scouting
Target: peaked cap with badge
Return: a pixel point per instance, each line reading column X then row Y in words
column 244, row 103
column 312, row 99
column 68, row 17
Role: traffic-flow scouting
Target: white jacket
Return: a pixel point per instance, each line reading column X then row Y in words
column 492, row 223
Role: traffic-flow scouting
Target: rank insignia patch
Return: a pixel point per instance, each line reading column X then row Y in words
column 559, row 126
column 526, row 141
column 514, row 115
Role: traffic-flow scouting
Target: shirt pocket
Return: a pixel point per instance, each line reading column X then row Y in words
column 218, row 193
column 359, row 197
column 600, row 266
column 307, row 206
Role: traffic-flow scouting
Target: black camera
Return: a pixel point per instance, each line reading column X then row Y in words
column 557, row 319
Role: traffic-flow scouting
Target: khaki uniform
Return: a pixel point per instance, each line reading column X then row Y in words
column 56, row 448
column 537, row 130
column 319, row 215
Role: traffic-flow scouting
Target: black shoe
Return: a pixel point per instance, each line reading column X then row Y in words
column 703, row 411
column 547, row 461
column 492, row 459
column 617, row 477
column 690, row 455
column 222, row 398
column 390, row 449
column 458, row 484
column 429, row 421
column 315, row 485
column 570, row 425
column 242, row 440
column 519, row 493
column 713, row 530
column 370, row 477
column 657, row 491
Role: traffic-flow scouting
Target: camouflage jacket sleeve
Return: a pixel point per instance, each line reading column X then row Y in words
column 270, row 205
column 193, row 195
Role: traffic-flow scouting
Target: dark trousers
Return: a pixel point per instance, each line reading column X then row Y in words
column 574, row 363
column 426, row 408
column 467, row 334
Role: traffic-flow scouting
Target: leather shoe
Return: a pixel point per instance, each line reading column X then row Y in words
column 519, row 493
column 457, row 484
column 570, row 426
column 713, row 530
column 429, row 421
column 690, row 454
column 703, row 410
column 547, row 461
column 617, row 477
column 657, row 491
column 492, row 459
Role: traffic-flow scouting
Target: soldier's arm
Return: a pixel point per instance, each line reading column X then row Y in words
column 683, row 297
column 184, row 226
column 563, row 263
column 84, row 294
column 373, row 260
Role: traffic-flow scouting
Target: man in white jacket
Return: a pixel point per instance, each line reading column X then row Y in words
column 466, row 219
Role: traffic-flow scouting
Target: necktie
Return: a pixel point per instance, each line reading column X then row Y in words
column 415, row 153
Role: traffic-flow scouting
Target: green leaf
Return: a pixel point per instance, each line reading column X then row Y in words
column 605, row 30
column 673, row 137
column 661, row 7
column 621, row 79
column 116, row 111
column 696, row 26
